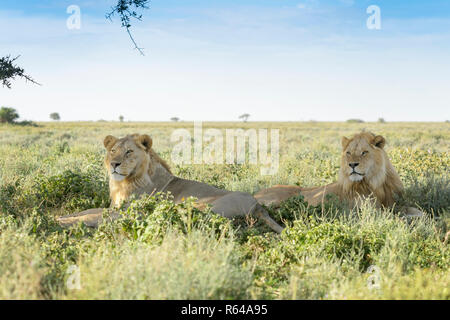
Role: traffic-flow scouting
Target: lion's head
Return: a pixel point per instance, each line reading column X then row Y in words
column 127, row 157
column 365, row 168
column 130, row 162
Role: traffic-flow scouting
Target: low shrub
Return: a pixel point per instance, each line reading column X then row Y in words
column 72, row 190
column 149, row 218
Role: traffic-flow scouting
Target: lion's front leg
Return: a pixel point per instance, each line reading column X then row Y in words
column 91, row 217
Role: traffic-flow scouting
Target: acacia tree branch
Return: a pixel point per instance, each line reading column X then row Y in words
column 126, row 9
column 9, row 71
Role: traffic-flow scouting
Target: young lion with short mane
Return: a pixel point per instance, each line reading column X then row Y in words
column 135, row 169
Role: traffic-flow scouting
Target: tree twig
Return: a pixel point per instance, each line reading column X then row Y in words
column 9, row 71
column 125, row 13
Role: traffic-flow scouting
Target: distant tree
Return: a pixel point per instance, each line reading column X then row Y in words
column 26, row 123
column 381, row 120
column 121, row 118
column 355, row 121
column 8, row 115
column 9, row 71
column 244, row 117
column 175, row 119
column 55, row 116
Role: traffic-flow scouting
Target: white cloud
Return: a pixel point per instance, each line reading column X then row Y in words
column 348, row 2
column 307, row 4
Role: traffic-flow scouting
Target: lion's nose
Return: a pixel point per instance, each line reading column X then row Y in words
column 115, row 164
column 353, row 165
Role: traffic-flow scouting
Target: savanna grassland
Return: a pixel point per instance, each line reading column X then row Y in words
column 179, row 252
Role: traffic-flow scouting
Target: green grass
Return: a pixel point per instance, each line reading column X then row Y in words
column 179, row 252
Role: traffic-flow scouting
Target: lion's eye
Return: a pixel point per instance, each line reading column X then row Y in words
column 365, row 152
column 129, row 152
column 348, row 152
column 113, row 150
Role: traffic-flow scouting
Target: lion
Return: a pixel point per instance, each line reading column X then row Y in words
column 365, row 172
column 135, row 169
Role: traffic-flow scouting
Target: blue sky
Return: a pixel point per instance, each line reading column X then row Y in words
column 214, row 60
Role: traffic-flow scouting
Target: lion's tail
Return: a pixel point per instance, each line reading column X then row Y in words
column 262, row 213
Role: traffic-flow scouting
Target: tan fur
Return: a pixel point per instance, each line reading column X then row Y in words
column 377, row 177
column 158, row 159
column 135, row 169
column 142, row 161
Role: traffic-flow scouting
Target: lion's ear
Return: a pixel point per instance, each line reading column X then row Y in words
column 145, row 141
column 379, row 142
column 345, row 141
column 109, row 141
